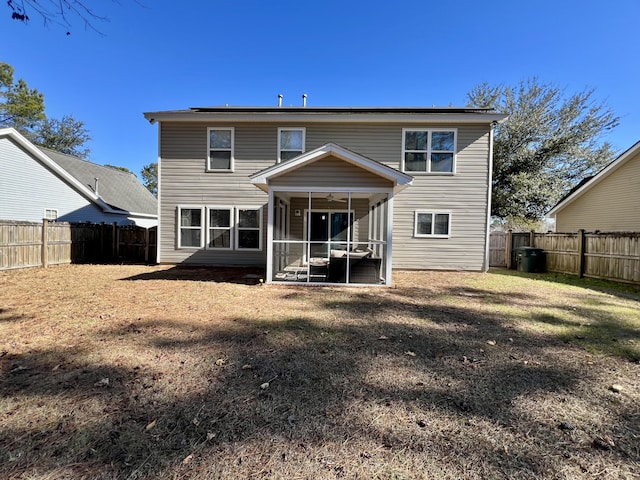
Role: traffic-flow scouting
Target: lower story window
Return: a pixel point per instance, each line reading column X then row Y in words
column 248, row 227
column 219, row 228
column 226, row 228
column 190, row 230
column 432, row 224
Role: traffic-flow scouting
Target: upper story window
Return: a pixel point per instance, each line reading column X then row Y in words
column 428, row 151
column 290, row 143
column 220, row 148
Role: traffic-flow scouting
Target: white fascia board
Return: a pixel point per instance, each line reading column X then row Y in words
column 313, row 117
column 71, row 180
column 141, row 215
column 604, row 173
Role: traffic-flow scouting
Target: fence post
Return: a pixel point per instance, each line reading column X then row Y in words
column 114, row 240
column 532, row 238
column 44, row 253
column 508, row 248
column 581, row 253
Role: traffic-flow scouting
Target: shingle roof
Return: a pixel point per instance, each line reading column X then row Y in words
column 120, row 190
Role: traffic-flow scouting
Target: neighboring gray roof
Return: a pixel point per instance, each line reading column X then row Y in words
column 120, row 190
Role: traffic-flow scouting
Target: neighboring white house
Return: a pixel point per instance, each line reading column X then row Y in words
column 37, row 183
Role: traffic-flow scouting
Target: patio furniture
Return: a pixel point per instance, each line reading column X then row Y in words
column 361, row 269
column 318, row 269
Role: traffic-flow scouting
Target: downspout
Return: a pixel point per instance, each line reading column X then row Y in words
column 485, row 264
column 159, row 193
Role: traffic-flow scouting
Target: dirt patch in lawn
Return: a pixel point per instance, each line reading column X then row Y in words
column 155, row 372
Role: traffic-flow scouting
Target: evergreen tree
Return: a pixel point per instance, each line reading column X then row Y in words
column 23, row 109
column 150, row 177
column 20, row 106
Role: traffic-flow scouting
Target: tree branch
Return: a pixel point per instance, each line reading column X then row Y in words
column 56, row 12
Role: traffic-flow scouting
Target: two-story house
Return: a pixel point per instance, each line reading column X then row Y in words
column 325, row 194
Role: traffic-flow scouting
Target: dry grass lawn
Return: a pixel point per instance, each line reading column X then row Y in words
column 130, row 372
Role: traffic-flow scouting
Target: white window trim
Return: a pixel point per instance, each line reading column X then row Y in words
column 304, row 139
column 230, row 228
column 237, row 228
column 429, row 151
column 45, row 216
column 233, row 144
column 433, row 213
column 180, row 227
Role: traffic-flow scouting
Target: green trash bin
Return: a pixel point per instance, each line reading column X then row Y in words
column 530, row 259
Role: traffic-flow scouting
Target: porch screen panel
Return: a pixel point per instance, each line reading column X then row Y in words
column 329, row 236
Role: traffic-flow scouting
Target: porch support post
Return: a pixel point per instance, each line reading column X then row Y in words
column 388, row 268
column 269, row 270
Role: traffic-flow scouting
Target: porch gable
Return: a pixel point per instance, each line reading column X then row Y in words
column 323, row 162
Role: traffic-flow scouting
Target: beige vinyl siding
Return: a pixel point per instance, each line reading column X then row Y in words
column 185, row 182
column 378, row 142
column 610, row 205
column 331, row 172
column 464, row 195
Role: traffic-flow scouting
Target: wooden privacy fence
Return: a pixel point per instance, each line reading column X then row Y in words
column 607, row 255
column 498, row 249
column 24, row 244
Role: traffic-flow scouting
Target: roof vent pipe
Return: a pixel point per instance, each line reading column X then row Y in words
column 279, row 100
column 304, row 99
column 97, row 180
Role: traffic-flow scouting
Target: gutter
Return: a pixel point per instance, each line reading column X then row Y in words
column 326, row 117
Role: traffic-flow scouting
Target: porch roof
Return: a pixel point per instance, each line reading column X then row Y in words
column 399, row 179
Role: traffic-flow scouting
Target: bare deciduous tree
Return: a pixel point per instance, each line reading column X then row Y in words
column 63, row 13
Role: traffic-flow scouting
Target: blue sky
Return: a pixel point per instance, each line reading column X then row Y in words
column 157, row 56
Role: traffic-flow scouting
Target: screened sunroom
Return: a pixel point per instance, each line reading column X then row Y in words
column 330, row 218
